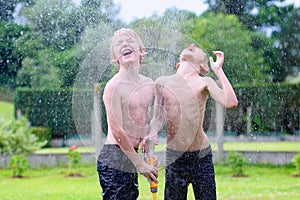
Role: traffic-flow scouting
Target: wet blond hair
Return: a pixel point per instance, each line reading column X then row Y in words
column 130, row 33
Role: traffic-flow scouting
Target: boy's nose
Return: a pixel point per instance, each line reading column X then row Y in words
column 192, row 46
column 124, row 42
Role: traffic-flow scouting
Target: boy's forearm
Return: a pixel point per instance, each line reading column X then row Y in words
column 229, row 94
column 127, row 147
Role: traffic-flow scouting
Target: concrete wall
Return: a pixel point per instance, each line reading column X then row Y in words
column 49, row 160
column 278, row 158
column 40, row 160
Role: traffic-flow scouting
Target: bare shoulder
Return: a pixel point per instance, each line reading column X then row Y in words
column 110, row 86
column 146, row 79
column 111, row 83
column 163, row 80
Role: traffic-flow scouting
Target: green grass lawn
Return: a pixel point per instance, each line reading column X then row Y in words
column 228, row 146
column 282, row 146
column 6, row 110
column 263, row 182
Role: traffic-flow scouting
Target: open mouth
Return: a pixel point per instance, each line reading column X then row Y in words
column 127, row 52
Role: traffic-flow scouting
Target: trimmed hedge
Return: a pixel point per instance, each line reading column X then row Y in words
column 49, row 108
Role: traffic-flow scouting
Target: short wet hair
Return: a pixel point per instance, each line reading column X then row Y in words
column 129, row 32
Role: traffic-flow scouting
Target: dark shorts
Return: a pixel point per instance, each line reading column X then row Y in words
column 194, row 168
column 117, row 175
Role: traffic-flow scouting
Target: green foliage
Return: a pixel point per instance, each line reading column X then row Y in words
column 37, row 75
column 296, row 163
column 11, row 56
column 226, row 33
column 19, row 165
column 56, row 109
column 4, row 140
column 8, row 8
column 40, row 72
column 16, row 137
column 173, row 18
column 283, row 18
column 288, row 45
column 51, row 60
column 274, row 108
column 237, row 163
column 43, row 134
column 53, row 23
column 74, row 157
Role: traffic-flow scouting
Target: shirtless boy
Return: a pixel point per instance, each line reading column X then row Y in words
column 127, row 98
column 181, row 101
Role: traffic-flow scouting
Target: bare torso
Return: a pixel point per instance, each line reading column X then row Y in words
column 184, row 102
column 135, row 101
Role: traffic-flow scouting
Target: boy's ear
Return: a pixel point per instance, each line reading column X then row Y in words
column 204, row 67
column 115, row 60
column 143, row 52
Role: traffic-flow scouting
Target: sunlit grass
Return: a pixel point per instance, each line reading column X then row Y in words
column 263, row 182
column 228, row 146
column 50, row 183
column 65, row 150
column 6, row 110
column 282, row 146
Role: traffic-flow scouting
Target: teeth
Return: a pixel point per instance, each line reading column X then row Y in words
column 127, row 52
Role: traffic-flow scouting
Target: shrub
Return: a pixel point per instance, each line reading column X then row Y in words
column 296, row 163
column 237, row 162
column 43, row 134
column 19, row 165
column 16, row 139
column 4, row 138
column 74, row 159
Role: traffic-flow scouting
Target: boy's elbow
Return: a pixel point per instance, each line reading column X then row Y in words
column 231, row 104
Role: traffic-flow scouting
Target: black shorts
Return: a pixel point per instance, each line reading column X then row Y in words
column 117, row 175
column 194, row 168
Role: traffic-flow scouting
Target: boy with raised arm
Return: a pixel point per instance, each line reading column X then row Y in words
column 180, row 101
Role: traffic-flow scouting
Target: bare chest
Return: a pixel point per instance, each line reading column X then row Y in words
column 137, row 96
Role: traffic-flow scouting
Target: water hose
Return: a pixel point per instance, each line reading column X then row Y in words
column 153, row 185
column 150, row 152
